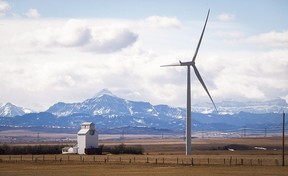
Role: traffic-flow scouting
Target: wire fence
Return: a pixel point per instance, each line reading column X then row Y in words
column 169, row 160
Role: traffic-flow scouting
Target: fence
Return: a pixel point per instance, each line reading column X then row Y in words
column 143, row 159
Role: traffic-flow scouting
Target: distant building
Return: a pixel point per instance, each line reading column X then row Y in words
column 69, row 150
column 87, row 141
column 87, row 138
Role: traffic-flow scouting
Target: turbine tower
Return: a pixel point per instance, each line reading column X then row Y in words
column 188, row 65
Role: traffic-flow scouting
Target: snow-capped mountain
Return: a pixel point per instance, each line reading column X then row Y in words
column 10, row 110
column 233, row 107
column 104, row 92
column 106, row 103
column 108, row 111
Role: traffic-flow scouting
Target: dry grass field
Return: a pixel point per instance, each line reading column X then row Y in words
column 31, row 169
column 162, row 157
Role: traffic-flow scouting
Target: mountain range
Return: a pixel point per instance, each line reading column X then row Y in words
column 108, row 111
column 10, row 110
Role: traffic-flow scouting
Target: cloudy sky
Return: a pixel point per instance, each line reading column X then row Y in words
column 53, row 51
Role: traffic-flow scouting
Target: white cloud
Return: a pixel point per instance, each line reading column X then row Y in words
column 73, row 33
column 257, row 75
column 162, row 21
column 80, row 34
column 33, row 13
column 107, row 40
column 271, row 39
column 226, row 17
column 4, row 8
column 67, row 72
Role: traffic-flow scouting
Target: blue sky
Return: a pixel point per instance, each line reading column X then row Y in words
column 259, row 13
column 69, row 50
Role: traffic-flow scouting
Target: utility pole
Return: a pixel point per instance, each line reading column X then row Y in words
column 38, row 139
column 244, row 131
column 122, row 135
column 283, row 140
column 184, row 136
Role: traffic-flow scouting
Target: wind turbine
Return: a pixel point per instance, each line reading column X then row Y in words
column 189, row 64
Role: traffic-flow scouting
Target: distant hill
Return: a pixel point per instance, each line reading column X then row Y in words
column 111, row 113
column 232, row 107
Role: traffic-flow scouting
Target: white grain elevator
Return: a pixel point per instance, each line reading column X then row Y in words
column 87, row 138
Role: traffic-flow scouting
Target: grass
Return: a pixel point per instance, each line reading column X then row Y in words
column 29, row 169
column 171, row 150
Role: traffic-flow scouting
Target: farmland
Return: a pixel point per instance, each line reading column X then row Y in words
column 9, row 169
column 250, row 156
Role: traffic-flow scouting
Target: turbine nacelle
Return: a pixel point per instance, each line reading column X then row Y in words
column 190, row 63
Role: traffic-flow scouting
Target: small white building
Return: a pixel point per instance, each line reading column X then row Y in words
column 87, row 138
column 69, row 150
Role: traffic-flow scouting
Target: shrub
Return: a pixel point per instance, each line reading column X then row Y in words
column 37, row 149
column 123, row 149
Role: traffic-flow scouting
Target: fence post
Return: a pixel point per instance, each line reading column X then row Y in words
column 21, row 158
column 208, row 161
column 43, row 157
column 192, row 163
column 241, row 161
column 147, row 161
column 177, row 160
column 230, row 161
column 156, row 161
column 162, row 160
column 130, row 160
column 134, row 159
column 224, row 161
column 120, row 159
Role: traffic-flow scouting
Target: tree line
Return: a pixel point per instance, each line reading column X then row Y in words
column 57, row 149
column 34, row 150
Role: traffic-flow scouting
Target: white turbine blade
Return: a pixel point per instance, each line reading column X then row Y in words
column 171, row 65
column 199, row 43
column 203, row 84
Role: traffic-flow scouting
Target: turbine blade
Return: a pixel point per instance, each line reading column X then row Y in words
column 171, row 65
column 199, row 43
column 203, row 84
